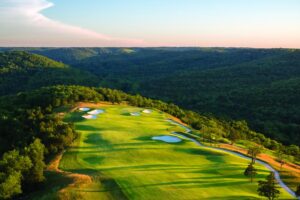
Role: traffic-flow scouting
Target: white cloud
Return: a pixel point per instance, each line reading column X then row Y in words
column 23, row 24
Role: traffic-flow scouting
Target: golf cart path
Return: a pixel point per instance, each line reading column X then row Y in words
column 269, row 167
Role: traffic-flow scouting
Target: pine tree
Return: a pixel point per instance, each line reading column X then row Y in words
column 269, row 187
column 250, row 171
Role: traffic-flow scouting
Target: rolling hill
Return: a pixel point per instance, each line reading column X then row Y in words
column 260, row 86
column 21, row 71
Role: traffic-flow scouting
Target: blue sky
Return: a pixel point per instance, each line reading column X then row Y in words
column 234, row 23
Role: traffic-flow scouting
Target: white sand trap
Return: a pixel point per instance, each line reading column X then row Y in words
column 147, row 111
column 96, row 112
column 84, row 109
column 135, row 114
column 168, row 139
column 89, row 117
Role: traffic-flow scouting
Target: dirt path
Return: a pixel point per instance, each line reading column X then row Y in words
column 265, row 157
column 78, row 179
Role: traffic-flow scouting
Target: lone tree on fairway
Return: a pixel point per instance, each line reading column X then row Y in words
column 250, row 171
column 298, row 191
column 280, row 157
column 269, row 187
column 253, row 152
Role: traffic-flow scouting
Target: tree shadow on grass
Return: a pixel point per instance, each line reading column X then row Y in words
column 171, row 168
column 109, row 184
column 53, row 184
column 209, row 155
column 231, row 197
column 86, row 171
column 220, row 183
column 126, row 114
column 81, row 127
column 139, row 167
column 96, row 139
column 74, row 117
column 119, row 145
column 98, row 149
column 112, row 186
column 74, row 152
column 94, row 160
column 218, row 176
column 195, row 184
column 144, row 138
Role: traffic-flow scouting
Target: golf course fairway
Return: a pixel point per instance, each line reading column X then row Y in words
column 117, row 151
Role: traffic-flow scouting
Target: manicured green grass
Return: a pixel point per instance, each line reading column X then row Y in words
column 117, row 151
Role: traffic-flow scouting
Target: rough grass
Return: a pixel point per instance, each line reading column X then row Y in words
column 117, row 151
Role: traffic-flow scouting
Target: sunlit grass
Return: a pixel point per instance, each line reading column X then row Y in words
column 117, row 150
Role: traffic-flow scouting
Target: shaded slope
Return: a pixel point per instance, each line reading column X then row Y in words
column 21, row 71
column 265, row 92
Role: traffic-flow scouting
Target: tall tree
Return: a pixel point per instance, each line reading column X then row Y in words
column 12, row 167
column 269, row 187
column 35, row 152
column 250, row 171
column 12, row 161
column 253, row 152
column 280, row 157
column 234, row 136
column 10, row 184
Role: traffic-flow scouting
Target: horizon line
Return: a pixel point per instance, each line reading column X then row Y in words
column 145, row 47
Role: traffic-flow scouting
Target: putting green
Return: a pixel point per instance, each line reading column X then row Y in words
column 116, row 149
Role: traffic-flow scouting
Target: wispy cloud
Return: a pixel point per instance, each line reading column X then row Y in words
column 23, row 24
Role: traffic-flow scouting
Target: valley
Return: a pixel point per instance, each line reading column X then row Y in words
column 149, row 100
column 63, row 140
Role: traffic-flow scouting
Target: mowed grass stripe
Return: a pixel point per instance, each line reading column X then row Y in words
column 118, row 147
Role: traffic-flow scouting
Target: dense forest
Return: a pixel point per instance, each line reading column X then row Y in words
column 260, row 86
column 21, row 71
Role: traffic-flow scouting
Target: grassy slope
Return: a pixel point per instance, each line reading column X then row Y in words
column 117, row 151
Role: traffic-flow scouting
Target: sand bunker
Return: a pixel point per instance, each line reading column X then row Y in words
column 84, row 109
column 96, row 112
column 92, row 114
column 135, row 114
column 89, row 117
column 168, row 139
column 147, row 111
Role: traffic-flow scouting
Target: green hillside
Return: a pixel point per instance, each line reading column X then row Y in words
column 264, row 92
column 260, row 85
column 22, row 61
column 21, row 71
